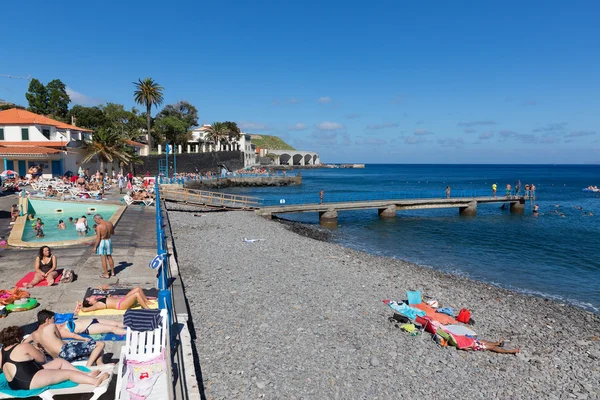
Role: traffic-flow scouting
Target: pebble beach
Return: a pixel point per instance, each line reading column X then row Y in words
column 291, row 317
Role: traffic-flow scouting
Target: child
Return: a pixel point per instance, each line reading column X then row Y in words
column 61, row 225
column 38, row 228
column 95, row 226
column 82, row 226
column 71, row 222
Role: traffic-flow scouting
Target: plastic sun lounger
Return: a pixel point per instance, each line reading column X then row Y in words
column 96, row 391
column 143, row 346
column 130, row 200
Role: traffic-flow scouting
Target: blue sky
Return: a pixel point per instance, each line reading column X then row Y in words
column 383, row 81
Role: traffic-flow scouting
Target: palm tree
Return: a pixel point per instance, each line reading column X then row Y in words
column 233, row 132
column 217, row 132
column 107, row 145
column 148, row 93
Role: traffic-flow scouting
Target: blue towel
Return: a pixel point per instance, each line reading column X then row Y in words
column 408, row 312
column 414, row 297
column 35, row 392
column 107, row 337
column 60, row 318
column 142, row 320
column 446, row 310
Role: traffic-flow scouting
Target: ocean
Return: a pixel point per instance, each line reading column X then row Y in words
column 548, row 255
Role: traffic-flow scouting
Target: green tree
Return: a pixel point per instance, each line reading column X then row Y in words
column 58, row 99
column 9, row 106
column 129, row 123
column 233, row 132
column 148, row 93
column 107, row 145
column 37, row 96
column 217, row 132
column 172, row 130
column 87, row 117
column 183, row 110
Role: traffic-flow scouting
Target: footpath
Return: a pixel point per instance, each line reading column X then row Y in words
column 134, row 245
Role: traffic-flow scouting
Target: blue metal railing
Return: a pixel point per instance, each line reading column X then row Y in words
column 162, row 284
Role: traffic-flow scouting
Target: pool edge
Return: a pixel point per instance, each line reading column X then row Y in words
column 16, row 234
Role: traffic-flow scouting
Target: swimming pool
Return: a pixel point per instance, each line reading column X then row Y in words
column 51, row 212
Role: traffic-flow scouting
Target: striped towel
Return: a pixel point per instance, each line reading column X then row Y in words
column 142, row 320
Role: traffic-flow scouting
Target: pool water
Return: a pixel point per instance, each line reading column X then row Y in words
column 51, row 212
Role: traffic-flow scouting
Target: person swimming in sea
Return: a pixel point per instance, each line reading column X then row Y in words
column 536, row 209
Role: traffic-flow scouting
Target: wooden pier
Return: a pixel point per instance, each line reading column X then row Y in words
column 208, row 199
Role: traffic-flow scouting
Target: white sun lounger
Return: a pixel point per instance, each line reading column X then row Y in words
column 143, row 346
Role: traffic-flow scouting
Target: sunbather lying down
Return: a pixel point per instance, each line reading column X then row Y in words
column 22, row 365
column 136, row 295
column 496, row 347
column 90, row 327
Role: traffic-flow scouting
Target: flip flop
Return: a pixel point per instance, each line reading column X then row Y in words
column 105, row 277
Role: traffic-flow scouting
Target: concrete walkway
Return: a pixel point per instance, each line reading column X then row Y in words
column 134, row 246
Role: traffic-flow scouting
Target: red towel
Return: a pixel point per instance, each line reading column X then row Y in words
column 29, row 277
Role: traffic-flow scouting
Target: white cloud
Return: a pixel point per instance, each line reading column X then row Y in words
column 297, row 127
column 82, row 99
column 486, row 135
column 385, row 125
column 253, row 126
column 414, row 140
column 324, row 100
column 329, row 126
column 293, row 100
column 422, row 132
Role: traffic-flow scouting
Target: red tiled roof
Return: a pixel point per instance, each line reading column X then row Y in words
column 27, row 143
column 21, row 150
column 15, row 116
column 135, row 144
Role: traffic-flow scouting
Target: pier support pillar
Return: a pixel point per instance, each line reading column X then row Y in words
column 470, row 210
column 389, row 212
column 328, row 218
column 518, row 207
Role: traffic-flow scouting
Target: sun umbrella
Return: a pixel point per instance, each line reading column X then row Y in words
column 8, row 172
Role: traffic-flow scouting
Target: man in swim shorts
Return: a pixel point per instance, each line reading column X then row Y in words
column 103, row 245
column 50, row 339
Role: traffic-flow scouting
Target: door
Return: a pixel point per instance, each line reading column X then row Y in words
column 22, row 168
column 56, row 168
column 10, row 164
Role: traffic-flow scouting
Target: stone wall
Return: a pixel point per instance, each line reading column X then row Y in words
column 192, row 162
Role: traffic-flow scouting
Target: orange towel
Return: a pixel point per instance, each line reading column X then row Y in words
column 440, row 317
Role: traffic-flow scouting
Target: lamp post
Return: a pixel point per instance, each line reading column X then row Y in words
column 62, row 157
column 167, row 159
column 174, row 160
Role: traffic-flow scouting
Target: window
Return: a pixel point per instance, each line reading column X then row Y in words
column 24, row 133
column 46, row 133
column 1, row 133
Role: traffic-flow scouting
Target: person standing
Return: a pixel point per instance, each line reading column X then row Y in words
column 121, row 180
column 103, row 246
column 532, row 190
column 508, row 190
column 517, row 187
column 321, row 196
column 447, row 192
column 494, row 187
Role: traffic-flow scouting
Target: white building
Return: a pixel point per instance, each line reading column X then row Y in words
column 28, row 139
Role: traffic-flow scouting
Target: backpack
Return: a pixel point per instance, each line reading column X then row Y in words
column 464, row 316
column 68, row 276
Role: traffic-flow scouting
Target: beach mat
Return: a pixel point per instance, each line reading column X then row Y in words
column 29, row 277
column 106, row 337
column 118, row 291
column 151, row 303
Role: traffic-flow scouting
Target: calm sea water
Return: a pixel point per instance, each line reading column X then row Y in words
column 547, row 255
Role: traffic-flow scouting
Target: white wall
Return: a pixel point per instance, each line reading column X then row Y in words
column 12, row 133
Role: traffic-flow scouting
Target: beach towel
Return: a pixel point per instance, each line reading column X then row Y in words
column 463, row 342
column 105, row 337
column 459, row 330
column 35, row 392
column 9, row 296
column 430, row 312
column 29, row 277
column 404, row 309
column 446, row 310
column 153, row 304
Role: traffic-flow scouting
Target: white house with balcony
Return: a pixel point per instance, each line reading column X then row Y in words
column 28, row 139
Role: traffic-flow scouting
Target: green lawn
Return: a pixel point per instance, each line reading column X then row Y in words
column 270, row 142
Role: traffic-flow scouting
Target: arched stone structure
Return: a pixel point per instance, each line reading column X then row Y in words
column 293, row 157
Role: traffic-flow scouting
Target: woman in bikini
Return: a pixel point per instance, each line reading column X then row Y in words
column 45, row 268
column 136, row 295
column 23, row 369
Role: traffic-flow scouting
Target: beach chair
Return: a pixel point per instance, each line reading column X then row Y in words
column 79, row 389
column 129, row 201
column 145, row 346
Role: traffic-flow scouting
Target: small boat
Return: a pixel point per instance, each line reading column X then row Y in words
column 591, row 189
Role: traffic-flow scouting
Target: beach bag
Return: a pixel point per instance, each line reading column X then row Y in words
column 464, row 316
column 68, row 276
